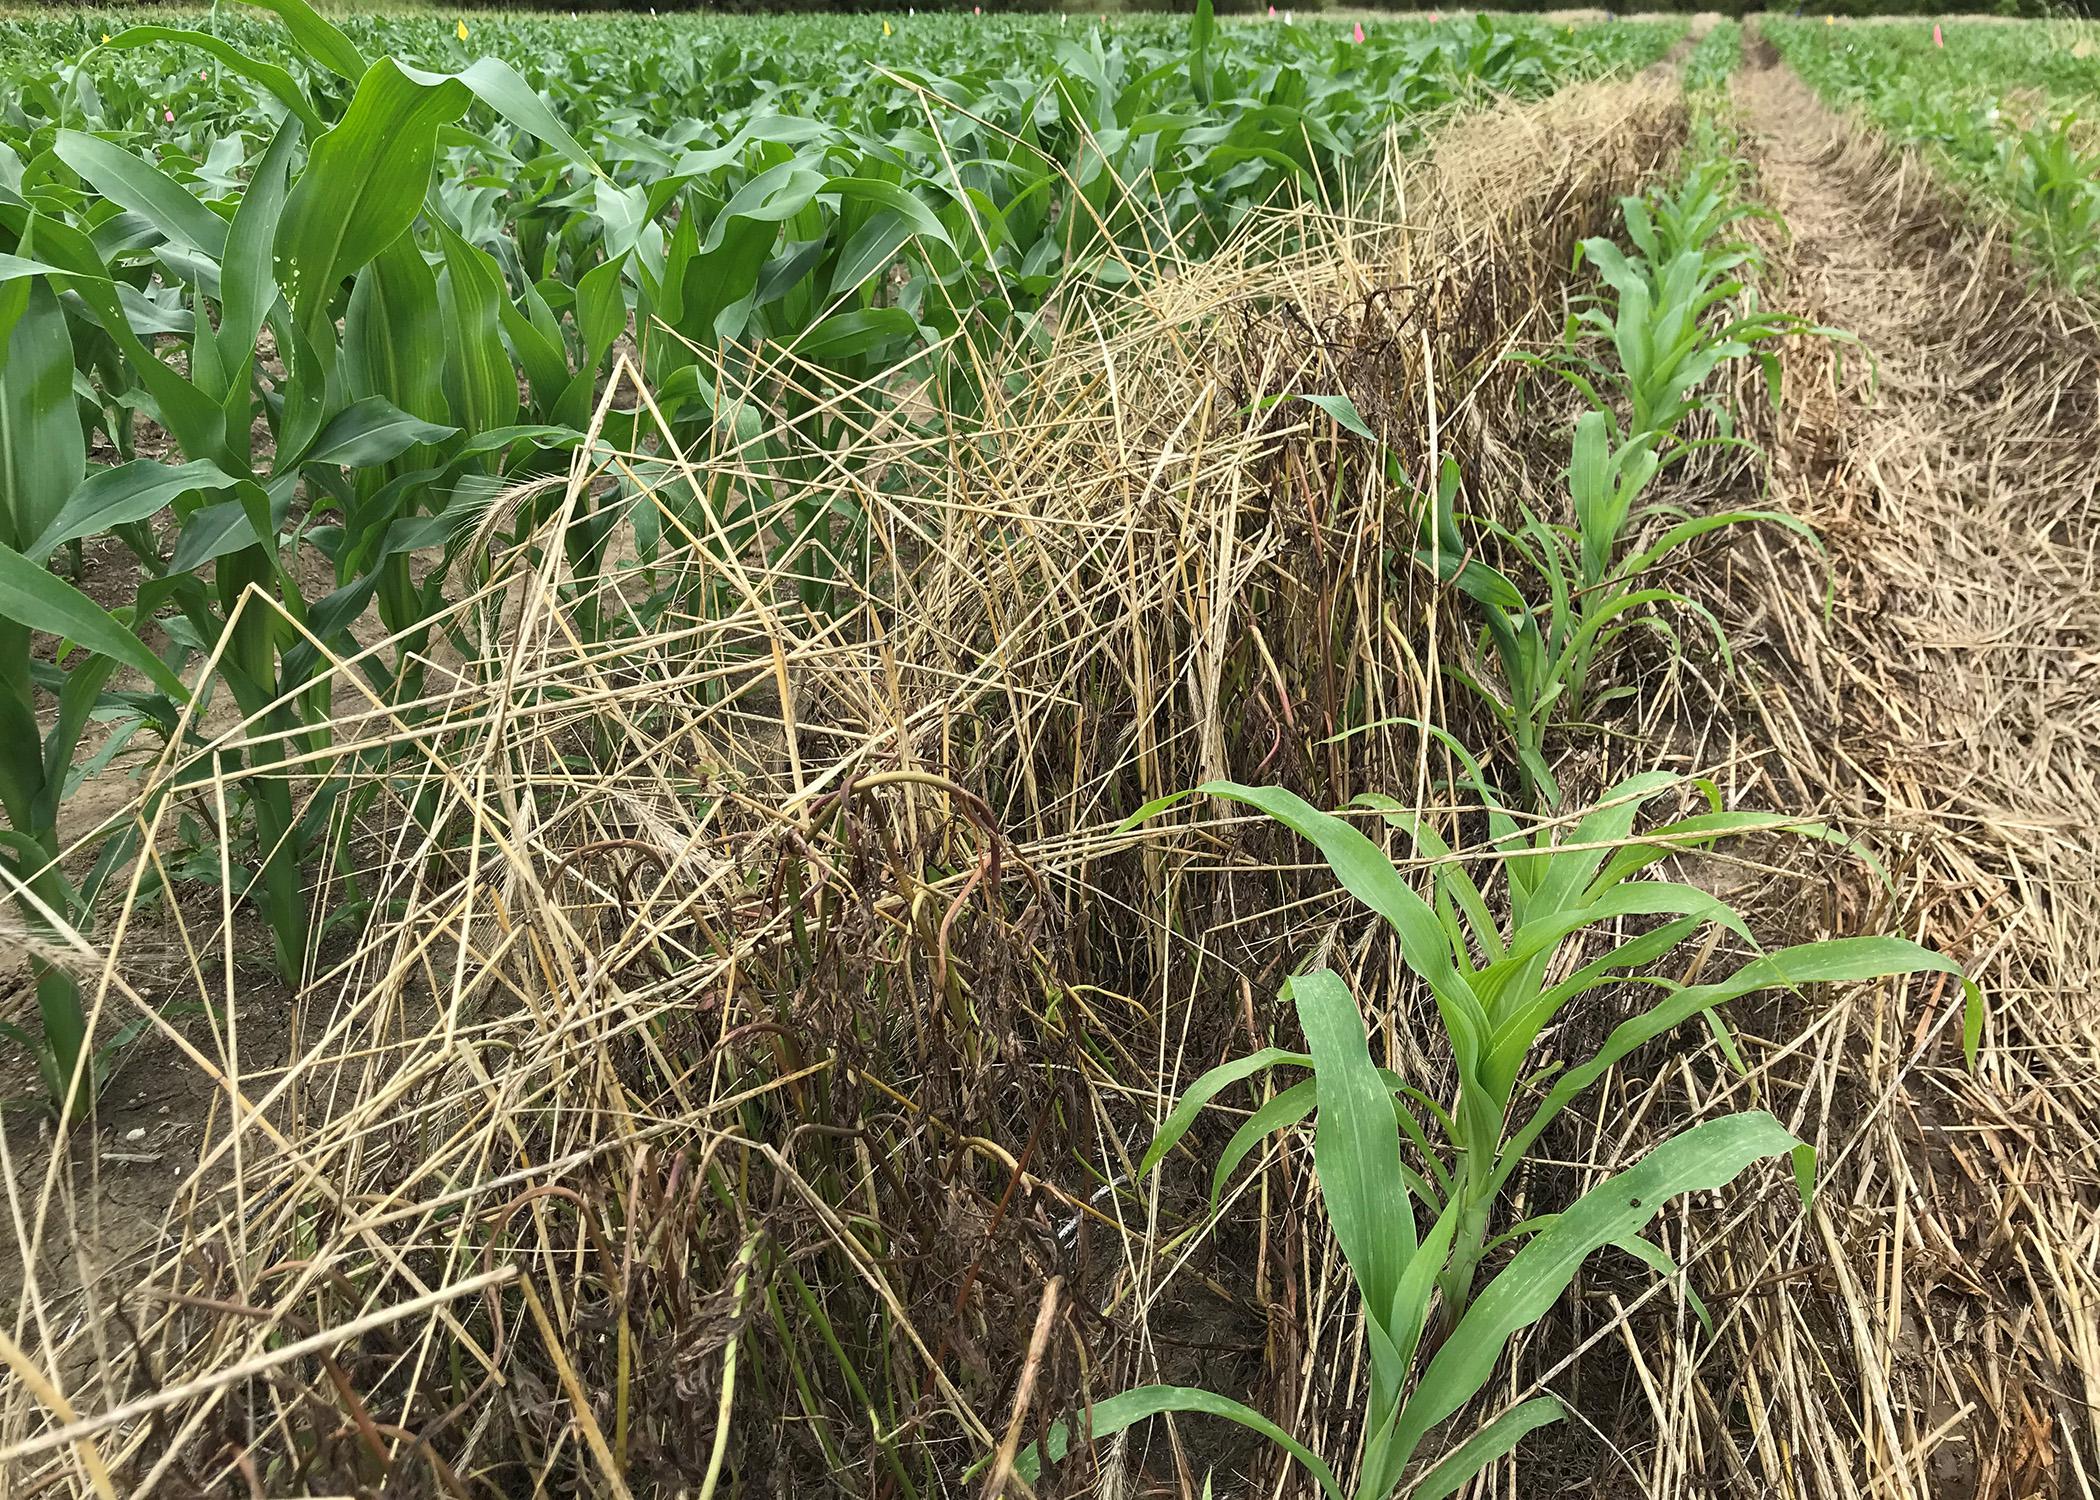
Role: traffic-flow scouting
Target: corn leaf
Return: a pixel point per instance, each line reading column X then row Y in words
column 1206, row 1088
column 363, row 186
column 1491, row 1442
column 371, row 431
column 1106, row 1418
column 273, row 79
column 134, row 183
column 43, row 452
column 1356, row 1146
column 318, row 38
column 129, row 492
column 1709, row 1155
column 31, row 595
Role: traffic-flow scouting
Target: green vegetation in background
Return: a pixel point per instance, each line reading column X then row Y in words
column 2007, row 111
column 735, row 58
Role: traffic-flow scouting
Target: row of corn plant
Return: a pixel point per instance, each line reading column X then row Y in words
column 113, row 260
column 1678, row 305
column 1411, row 1184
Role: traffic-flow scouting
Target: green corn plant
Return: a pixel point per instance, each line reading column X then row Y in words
column 45, row 486
column 1543, row 652
column 85, row 310
column 2054, row 188
column 332, row 200
column 1657, row 321
column 43, row 467
column 1658, row 350
column 1498, row 985
column 1527, row 650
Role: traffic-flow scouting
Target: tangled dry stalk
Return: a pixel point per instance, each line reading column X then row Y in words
column 738, row 1081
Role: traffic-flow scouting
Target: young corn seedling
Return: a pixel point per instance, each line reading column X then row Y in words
column 1491, row 981
column 1658, row 324
column 2055, row 193
column 1664, row 346
column 1543, row 652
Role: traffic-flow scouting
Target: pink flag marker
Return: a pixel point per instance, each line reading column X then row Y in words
column 1937, row 39
column 1359, row 35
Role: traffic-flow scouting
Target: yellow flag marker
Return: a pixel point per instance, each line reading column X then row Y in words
column 463, row 31
column 885, row 28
